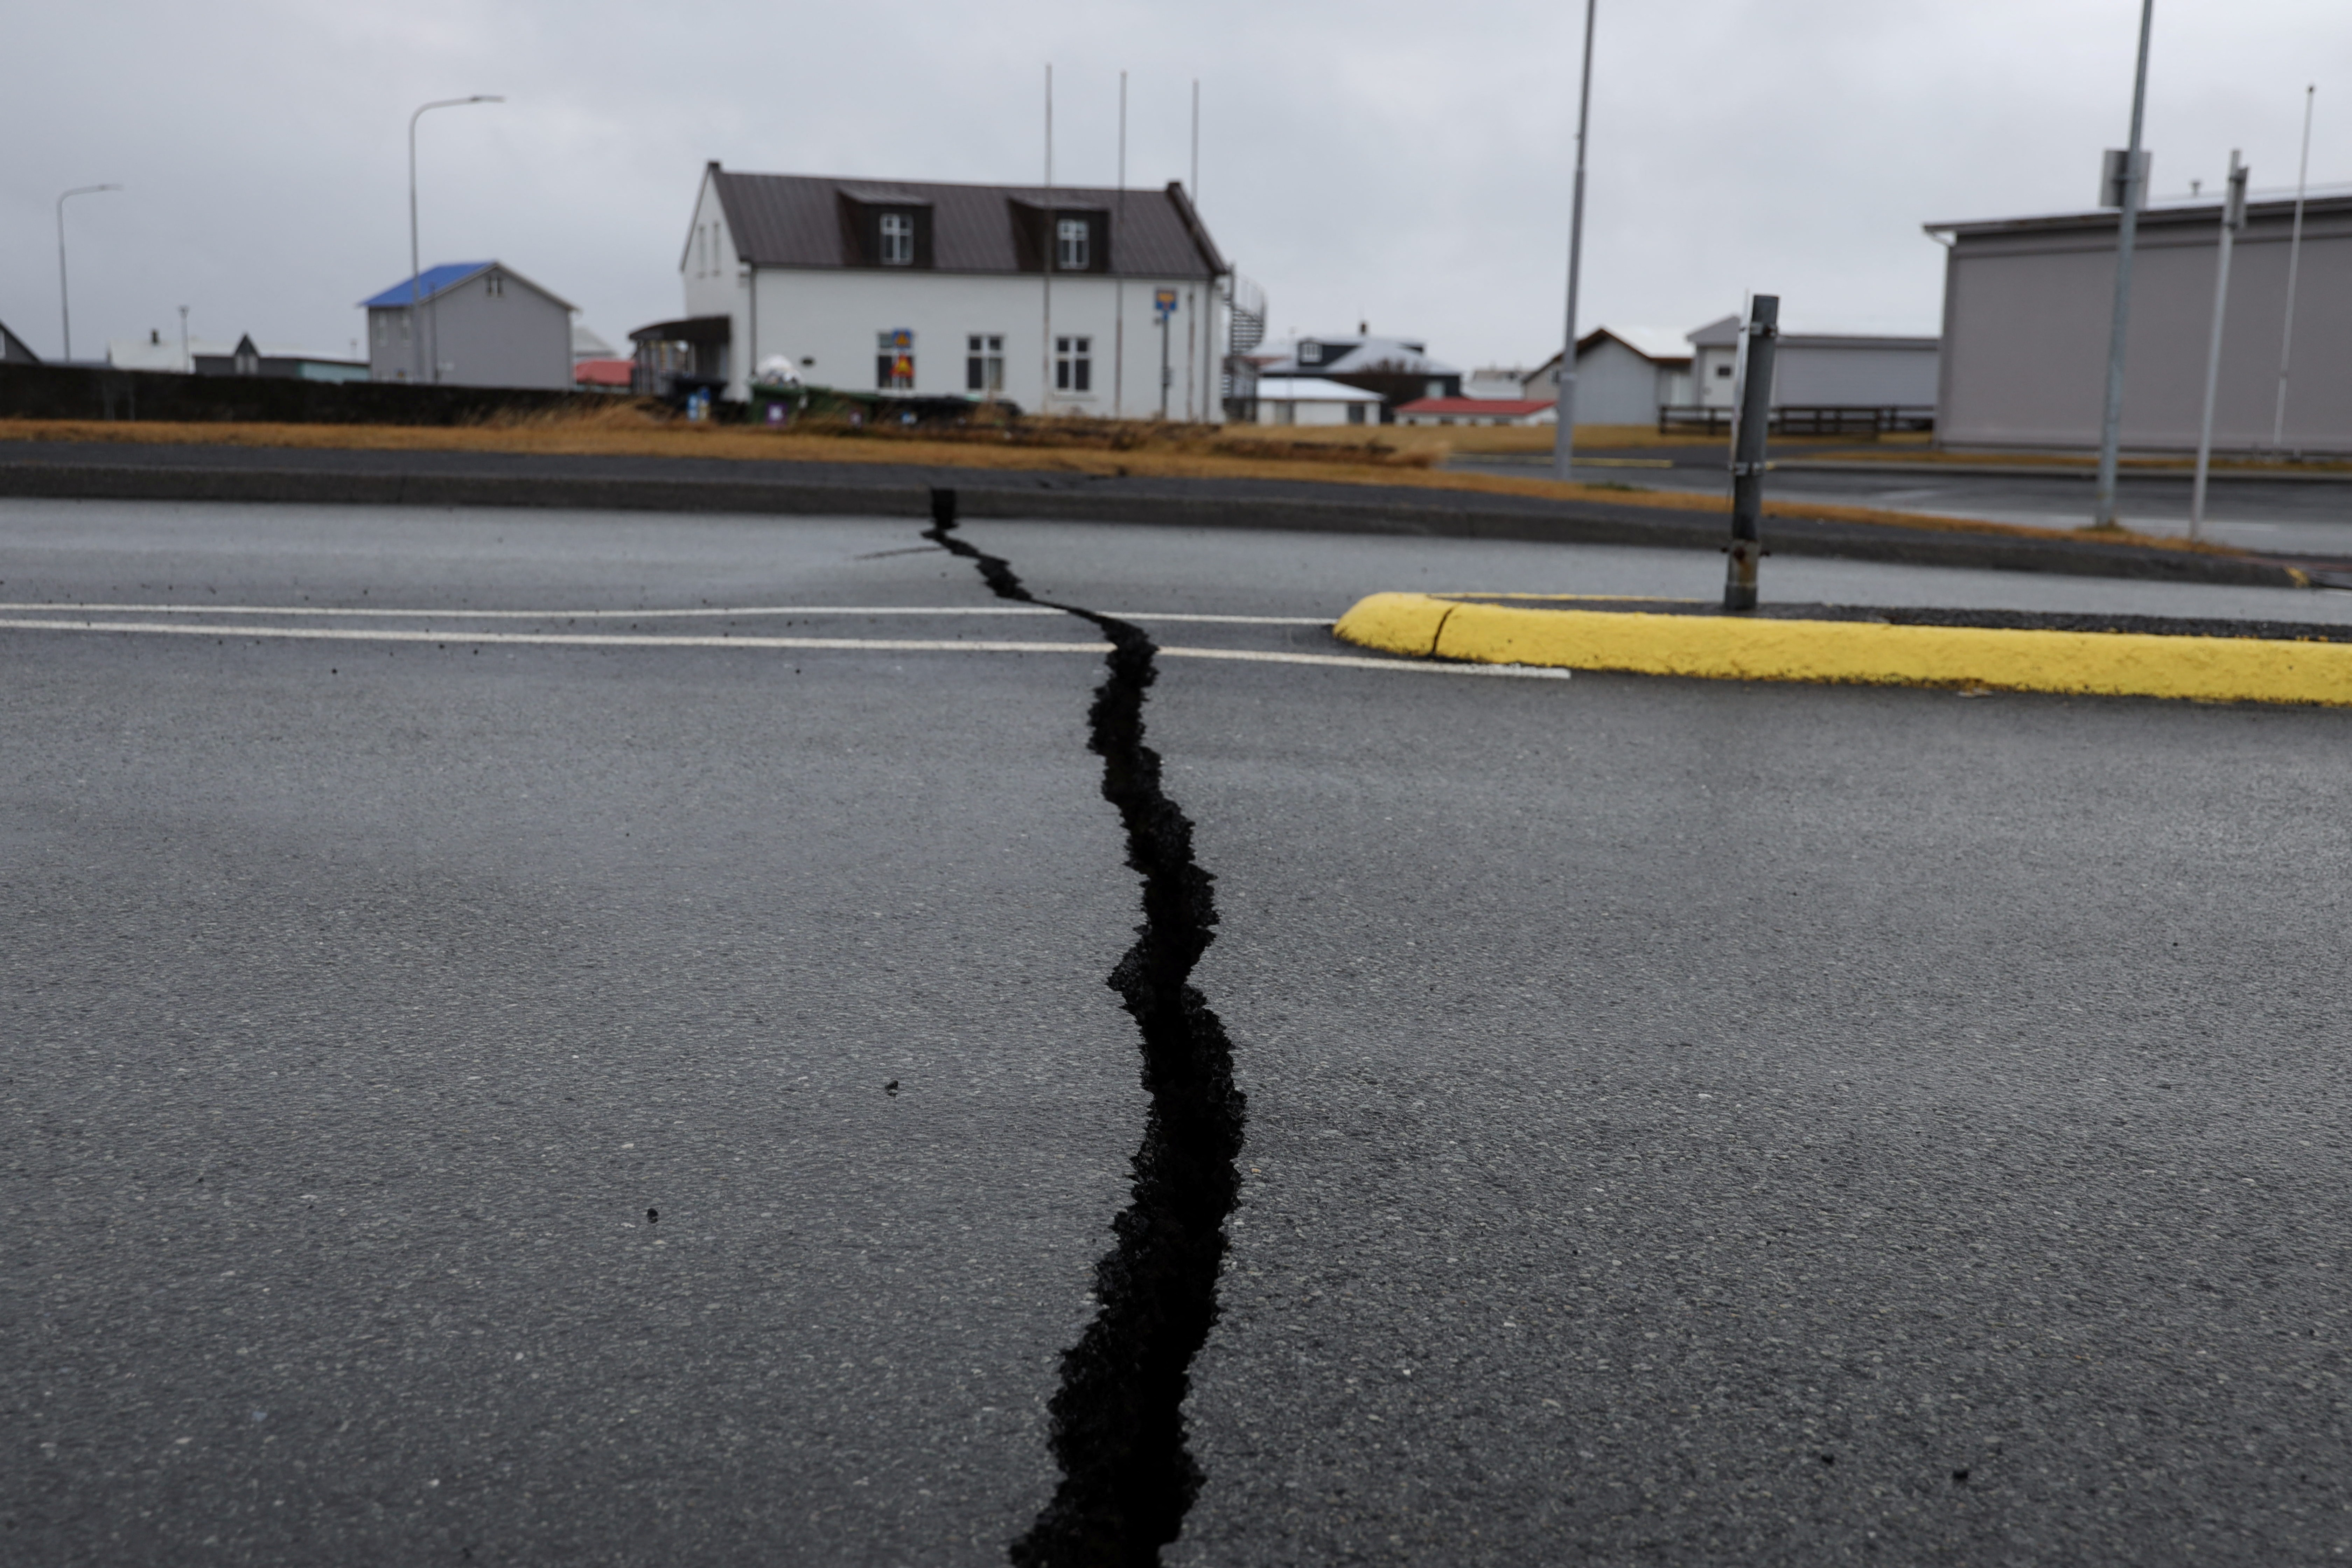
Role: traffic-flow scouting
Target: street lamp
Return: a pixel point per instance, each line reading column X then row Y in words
column 64, row 310
column 416, row 328
column 1563, row 436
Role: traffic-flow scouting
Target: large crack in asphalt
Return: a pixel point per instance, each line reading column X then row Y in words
column 1117, row 1418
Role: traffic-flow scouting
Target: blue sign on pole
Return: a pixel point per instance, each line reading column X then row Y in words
column 1163, row 302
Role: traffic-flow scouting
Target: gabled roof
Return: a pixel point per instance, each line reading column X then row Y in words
column 435, row 282
column 1358, row 357
column 795, row 220
column 14, row 349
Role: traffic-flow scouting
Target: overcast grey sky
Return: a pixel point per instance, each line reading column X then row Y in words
column 1403, row 163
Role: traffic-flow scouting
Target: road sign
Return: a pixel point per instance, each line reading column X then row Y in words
column 1163, row 302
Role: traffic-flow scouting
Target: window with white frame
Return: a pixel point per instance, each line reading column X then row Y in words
column 898, row 239
column 1071, row 246
column 1074, row 364
column 983, row 363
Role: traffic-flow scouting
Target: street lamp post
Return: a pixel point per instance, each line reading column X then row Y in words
column 2111, row 416
column 416, row 327
column 65, row 310
column 1563, row 436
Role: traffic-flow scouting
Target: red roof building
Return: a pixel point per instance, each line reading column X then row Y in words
column 601, row 374
column 1476, row 411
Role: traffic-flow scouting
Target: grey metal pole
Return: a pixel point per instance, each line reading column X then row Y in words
column 1165, row 374
column 1118, row 275
column 416, row 327
column 2233, row 213
column 1761, row 334
column 2111, row 417
column 187, row 359
column 1563, row 436
column 2293, row 261
column 1052, row 238
column 65, row 310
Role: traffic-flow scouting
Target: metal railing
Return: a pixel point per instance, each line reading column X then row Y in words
column 1839, row 419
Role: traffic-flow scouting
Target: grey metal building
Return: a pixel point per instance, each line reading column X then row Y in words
column 2027, row 303
column 482, row 324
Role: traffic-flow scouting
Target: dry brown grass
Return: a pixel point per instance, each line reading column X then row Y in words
column 1165, row 452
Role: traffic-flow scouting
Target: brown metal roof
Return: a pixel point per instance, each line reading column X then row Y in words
column 794, row 220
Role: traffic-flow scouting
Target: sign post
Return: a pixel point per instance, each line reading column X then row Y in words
column 1163, row 305
column 1758, row 340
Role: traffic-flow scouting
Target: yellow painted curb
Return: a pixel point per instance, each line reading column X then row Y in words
column 1730, row 648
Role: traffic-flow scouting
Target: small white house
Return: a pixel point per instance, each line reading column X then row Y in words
column 1078, row 299
column 1820, row 370
column 1312, row 400
column 1623, row 376
column 469, row 323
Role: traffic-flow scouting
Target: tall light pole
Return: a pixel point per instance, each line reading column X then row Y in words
column 2294, row 259
column 2111, row 418
column 416, row 327
column 64, row 309
column 1564, row 438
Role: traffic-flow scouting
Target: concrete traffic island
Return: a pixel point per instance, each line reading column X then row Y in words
column 2115, row 656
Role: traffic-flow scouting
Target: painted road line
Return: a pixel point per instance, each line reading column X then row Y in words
column 749, row 612
column 1737, row 648
column 651, row 639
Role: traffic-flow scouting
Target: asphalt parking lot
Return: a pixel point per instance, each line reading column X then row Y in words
column 493, row 1090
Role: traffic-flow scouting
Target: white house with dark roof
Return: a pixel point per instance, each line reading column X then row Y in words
column 943, row 290
column 469, row 323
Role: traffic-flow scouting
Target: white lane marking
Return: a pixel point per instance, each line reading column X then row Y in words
column 647, row 639
column 750, row 610
column 563, row 639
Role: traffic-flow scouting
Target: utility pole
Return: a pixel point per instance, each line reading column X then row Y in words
column 1050, row 239
column 187, row 359
column 416, row 327
column 2134, row 179
column 2293, row 261
column 65, row 310
column 2233, row 217
column 1118, row 273
column 1563, row 436
column 1758, row 340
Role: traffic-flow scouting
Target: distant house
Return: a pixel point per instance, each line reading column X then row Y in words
column 603, row 375
column 200, row 357
column 13, row 350
column 1623, row 376
column 1819, row 370
column 1312, row 400
column 1400, row 371
column 470, row 323
column 1478, row 411
column 587, row 345
column 945, row 290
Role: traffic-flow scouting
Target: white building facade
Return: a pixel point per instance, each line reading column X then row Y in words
column 939, row 290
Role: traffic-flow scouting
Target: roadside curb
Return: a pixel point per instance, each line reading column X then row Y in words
column 1854, row 652
column 279, row 476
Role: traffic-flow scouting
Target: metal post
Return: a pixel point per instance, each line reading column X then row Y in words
column 1759, row 339
column 2294, row 259
column 1045, row 387
column 416, row 327
column 1165, row 373
column 65, row 310
column 2111, row 417
column 187, row 359
column 1119, row 277
column 1563, row 436
column 1191, row 327
column 2233, row 215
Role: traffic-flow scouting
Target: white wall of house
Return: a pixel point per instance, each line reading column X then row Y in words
column 836, row 317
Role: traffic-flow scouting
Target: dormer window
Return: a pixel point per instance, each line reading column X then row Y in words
column 898, row 239
column 1310, row 354
column 1071, row 252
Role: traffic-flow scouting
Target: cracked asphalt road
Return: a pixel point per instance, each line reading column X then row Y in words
column 1688, row 1122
